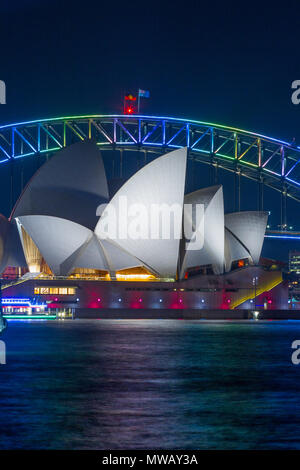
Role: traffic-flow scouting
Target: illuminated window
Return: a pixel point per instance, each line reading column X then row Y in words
column 55, row 290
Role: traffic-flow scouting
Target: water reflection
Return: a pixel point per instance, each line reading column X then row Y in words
column 149, row 384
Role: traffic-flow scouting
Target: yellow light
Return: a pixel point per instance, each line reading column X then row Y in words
column 132, row 277
column 34, row 268
column 266, row 285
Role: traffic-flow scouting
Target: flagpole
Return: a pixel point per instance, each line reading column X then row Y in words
column 138, row 101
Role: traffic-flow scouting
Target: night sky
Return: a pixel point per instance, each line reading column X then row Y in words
column 220, row 63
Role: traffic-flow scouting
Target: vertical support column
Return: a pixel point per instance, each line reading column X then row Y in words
column 22, row 177
column 283, row 161
column 212, row 170
column 47, row 142
column 214, row 164
column 284, row 192
column 65, row 134
column 187, row 129
column 121, row 163
column 237, row 146
column 164, row 132
column 138, row 160
column 283, row 209
column 13, row 142
column 260, row 191
column 12, row 184
column 139, row 131
column 237, row 150
column 239, row 190
column 193, row 171
column 216, row 172
column 90, row 129
column 39, row 138
column 260, row 194
column 115, row 131
column 212, row 141
column 259, row 159
column 234, row 190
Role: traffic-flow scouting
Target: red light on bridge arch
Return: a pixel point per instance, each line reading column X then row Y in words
column 129, row 110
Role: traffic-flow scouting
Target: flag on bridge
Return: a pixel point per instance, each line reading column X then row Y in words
column 129, row 104
column 144, row 93
column 130, row 97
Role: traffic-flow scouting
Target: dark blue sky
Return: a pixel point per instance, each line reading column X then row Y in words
column 224, row 63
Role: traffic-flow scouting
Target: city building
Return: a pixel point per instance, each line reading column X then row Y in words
column 294, row 262
column 77, row 248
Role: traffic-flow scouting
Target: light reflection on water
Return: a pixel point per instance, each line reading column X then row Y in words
column 143, row 384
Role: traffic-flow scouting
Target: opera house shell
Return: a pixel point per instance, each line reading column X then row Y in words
column 58, row 224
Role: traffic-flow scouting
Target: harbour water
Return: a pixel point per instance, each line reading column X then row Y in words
column 150, row 384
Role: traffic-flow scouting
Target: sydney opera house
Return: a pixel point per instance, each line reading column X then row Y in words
column 60, row 240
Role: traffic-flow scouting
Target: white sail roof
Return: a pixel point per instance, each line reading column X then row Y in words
column 210, row 229
column 57, row 240
column 248, row 228
column 234, row 250
column 117, row 258
column 71, row 185
column 66, row 245
column 60, row 209
column 161, row 182
column 11, row 252
column 90, row 256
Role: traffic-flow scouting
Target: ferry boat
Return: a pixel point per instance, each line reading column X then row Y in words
column 20, row 308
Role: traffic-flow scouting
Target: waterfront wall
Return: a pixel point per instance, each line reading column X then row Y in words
column 231, row 291
column 179, row 314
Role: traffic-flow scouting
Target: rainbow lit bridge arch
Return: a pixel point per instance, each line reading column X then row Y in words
column 263, row 159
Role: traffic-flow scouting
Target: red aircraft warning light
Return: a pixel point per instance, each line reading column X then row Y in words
column 129, row 104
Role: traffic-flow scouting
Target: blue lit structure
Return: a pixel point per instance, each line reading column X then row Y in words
column 285, row 236
column 268, row 161
column 21, row 302
column 21, row 308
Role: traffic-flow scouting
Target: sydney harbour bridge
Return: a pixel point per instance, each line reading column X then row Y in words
column 266, row 161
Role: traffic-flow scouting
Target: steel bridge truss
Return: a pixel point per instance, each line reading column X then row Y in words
column 263, row 159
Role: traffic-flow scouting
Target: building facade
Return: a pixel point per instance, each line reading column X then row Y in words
column 149, row 246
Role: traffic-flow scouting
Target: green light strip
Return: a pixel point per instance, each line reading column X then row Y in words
column 29, row 317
